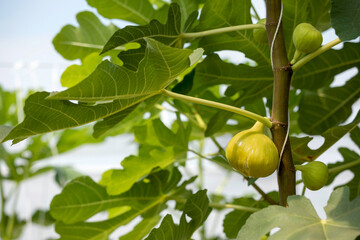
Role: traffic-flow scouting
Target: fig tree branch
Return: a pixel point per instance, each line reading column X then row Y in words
column 282, row 77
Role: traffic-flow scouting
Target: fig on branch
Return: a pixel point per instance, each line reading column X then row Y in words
column 253, row 153
column 306, row 38
column 260, row 34
column 314, row 174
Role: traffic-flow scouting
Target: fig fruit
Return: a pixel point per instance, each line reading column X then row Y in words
column 252, row 153
column 260, row 34
column 306, row 38
column 314, row 174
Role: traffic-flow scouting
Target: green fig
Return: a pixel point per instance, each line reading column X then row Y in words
column 260, row 34
column 252, row 153
column 306, row 38
column 314, row 174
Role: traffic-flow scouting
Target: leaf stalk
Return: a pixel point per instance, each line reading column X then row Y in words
column 314, row 54
column 221, row 106
column 221, row 30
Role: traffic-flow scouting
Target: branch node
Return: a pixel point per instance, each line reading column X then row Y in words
column 271, row 23
column 279, row 124
column 286, row 68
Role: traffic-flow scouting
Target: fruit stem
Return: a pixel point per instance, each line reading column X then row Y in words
column 296, row 57
column 221, row 30
column 299, row 168
column 316, row 53
column 221, row 106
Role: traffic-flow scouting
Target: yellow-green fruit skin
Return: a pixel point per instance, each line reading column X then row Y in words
column 314, row 175
column 260, row 35
column 253, row 153
column 307, row 38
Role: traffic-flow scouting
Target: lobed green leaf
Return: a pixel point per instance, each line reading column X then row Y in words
column 342, row 221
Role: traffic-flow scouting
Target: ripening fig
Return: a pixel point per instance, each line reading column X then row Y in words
column 314, row 174
column 306, row 38
column 253, row 153
column 260, row 35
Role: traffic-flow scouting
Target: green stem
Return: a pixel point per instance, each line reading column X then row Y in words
column 225, row 107
column 234, row 206
column 200, row 165
column 221, row 30
column 303, row 191
column 312, row 55
column 204, row 157
column 263, row 194
column 10, row 225
column 256, row 13
column 3, row 200
column 344, row 166
column 221, row 149
column 296, row 57
column 226, row 205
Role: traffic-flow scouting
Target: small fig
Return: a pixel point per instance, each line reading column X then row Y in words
column 314, row 174
column 306, row 38
column 260, row 34
column 253, row 153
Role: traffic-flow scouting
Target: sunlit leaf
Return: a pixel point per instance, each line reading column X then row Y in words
column 342, row 220
column 135, row 167
column 76, row 73
column 76, row 204
column 164, row 33
column 160, row 67
column 78, row 42
column 226, row 13
column 8, row 114
column 136, row 11
column 81, row 203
